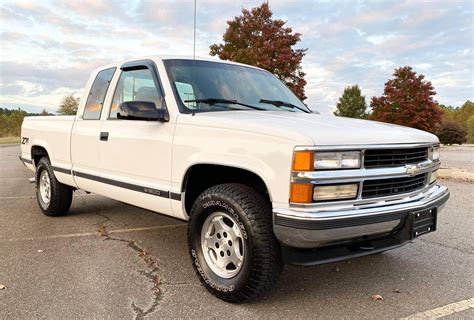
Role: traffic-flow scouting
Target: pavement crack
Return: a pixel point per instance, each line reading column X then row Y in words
column 101, row 225
column 151, row 273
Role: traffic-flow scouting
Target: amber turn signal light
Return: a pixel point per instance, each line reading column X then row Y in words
column 303, row 161
column 301, row 193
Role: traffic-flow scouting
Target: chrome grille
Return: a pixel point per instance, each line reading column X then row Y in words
column 393, row 186
column 376, row 158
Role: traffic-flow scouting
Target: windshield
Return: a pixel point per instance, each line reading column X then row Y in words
column 208, row 85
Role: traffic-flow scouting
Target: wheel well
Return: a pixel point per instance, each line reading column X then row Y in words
column 203, row 176
column 37, row 153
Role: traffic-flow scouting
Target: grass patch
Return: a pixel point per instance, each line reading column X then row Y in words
column 8, row 140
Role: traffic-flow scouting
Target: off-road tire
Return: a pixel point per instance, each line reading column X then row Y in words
column 61, row 195
column 262, row 263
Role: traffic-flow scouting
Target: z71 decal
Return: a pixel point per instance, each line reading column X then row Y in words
column 25, row 140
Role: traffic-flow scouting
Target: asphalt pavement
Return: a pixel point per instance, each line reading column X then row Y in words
column 106, row 259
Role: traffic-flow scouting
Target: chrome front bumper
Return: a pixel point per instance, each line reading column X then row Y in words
column 313, row 227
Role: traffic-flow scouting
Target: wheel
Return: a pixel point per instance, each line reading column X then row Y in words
column 231, row 242
column 54, row 198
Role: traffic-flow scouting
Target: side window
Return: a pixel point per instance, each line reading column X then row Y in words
column 96, row 97
column 186, row 92
column 135, row 85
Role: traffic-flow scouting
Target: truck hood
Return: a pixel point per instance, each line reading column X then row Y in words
column 304, row 128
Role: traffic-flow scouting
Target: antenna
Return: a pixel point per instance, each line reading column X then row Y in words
column 194, row 47
column 194, row 33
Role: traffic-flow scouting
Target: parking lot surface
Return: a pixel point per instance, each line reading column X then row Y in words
column 106, row 259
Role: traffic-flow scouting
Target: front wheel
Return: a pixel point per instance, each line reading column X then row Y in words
column 231, row 242
column 54, row 198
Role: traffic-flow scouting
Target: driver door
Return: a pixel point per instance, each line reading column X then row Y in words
column 135, row 155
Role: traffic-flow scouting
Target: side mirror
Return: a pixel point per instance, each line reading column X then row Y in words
column 141, row 110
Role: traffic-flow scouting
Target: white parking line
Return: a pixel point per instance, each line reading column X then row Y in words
column 18, row 197
column 444, row 310
column 169, row 226
column 34, row 196
column 88, row 234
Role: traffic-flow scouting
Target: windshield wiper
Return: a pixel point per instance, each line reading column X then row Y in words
column 213, row 101
column 278, row 103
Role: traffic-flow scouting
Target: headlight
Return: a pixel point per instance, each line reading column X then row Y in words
column 335, row 192
column 433, row 153
column 337, row 160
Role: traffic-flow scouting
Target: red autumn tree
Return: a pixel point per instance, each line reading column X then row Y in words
column 257, row 39
column 407, row 100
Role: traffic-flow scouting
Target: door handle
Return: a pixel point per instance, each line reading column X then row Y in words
column 104, row 136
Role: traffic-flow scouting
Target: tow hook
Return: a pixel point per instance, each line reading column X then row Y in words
column 364, row 246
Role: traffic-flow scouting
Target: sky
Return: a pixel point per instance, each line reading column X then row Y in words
column 49, row 48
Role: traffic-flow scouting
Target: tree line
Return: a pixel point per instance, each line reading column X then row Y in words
column 11, row 119
column 408, row 100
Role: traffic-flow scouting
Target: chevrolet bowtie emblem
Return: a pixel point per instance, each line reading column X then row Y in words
column 412, row 170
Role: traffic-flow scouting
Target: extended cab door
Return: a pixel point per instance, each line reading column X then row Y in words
column 85, row 134
column 135, row 156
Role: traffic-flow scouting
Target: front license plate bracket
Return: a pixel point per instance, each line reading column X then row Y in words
column 422, row 222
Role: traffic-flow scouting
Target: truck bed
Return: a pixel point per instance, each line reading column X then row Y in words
column 51, row 133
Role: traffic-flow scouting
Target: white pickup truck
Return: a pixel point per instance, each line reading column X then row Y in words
column 260, row 178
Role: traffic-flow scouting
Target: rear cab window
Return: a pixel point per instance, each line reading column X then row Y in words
column 95, row 100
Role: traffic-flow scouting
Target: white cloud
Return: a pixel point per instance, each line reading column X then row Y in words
column 379, row 39
column 422, row 66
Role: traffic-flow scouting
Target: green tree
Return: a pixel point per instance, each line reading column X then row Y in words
column 352, row 104
column 68, row 105
column 407, row 100
column 14, row 120
column 470, row 129
column 256, row 38
column 463, row 116
column 3, row 125
column 448, row 112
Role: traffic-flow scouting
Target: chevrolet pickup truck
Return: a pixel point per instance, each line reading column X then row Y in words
column 260, row 178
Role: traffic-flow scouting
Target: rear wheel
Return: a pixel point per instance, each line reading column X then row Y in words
column 231, row 242
column 54, row 198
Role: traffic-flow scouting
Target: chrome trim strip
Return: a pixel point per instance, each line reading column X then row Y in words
column 358, row 147
column 435, row 194
column 359, row 203
column 335, row 176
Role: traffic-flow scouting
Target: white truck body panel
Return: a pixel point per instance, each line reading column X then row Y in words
column 51, row 133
